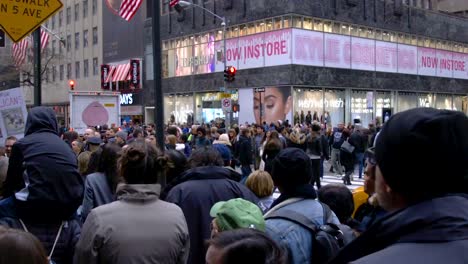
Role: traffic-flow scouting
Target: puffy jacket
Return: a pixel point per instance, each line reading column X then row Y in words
column 47, row 232
column 197, row 191
column 49, row 166
column 431, row 232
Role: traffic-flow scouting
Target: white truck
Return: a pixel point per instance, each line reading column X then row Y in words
column 91, row 109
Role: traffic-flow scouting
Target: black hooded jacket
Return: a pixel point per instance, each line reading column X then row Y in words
column 431, row 232
column 196, row 191
column 49, row 166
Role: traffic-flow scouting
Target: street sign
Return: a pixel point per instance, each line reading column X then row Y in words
column 19, row 18
column 226, row 104
column 2, row 39
column 260, row 90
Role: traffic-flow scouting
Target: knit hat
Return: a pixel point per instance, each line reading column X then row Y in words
column 291, row 167
column 423, row 152
column 122, row 134
column 237, row 213
column 223, row 151
column 223, row 139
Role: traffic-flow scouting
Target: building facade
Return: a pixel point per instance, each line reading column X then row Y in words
column 342, row 59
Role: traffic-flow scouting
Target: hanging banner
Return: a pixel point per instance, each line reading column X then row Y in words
column 104, row 77
column 135, row 74
column 13, row 114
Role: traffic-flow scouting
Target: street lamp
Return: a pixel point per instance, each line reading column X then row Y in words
column 185, row 4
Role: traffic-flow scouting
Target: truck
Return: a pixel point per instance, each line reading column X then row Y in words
column 92, row 109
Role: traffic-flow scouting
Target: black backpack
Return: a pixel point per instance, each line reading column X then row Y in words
column 328, row 238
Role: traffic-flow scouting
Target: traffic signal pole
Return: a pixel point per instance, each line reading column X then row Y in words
column 37, row 67
column 158, row 94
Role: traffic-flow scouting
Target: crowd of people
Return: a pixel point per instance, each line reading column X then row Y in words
column 98, row 198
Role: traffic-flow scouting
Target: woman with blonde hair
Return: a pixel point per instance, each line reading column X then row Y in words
column 261, row 184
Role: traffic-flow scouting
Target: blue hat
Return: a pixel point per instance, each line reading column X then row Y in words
column 223, row 150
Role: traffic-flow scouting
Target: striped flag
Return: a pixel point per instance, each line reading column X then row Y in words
column 128, row 8
column 173, row 3
column 44, row 39
column 20, row 51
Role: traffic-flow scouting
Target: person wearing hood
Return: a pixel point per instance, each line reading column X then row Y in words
column 427, row 200
column 197, row 190
column 44, row 186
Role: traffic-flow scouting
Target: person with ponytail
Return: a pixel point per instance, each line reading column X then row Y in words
column 131, row 229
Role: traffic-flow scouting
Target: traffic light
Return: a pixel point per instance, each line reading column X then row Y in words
column 235, row 108
column 72, row 84
column 230, row 74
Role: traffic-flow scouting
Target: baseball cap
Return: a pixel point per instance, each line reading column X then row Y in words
column 238, row 213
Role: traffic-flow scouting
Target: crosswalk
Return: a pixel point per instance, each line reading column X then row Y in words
column 333, row 178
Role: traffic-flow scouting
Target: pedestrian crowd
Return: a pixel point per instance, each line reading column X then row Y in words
column 112, row 195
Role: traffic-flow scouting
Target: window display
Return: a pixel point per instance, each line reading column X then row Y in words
column 412, row 100
column 178, row 109
column 443, row 101
column 362, row 107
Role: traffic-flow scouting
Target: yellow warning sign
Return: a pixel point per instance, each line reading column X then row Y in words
column 19, row 18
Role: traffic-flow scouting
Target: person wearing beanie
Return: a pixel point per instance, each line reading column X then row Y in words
column 121, row 138
column 292, row 174
column 421, row 178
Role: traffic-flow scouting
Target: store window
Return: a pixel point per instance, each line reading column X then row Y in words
column 334, row 104
column 269, row 25
column 327, row 26
column 443, row 101
column 260, row 26
column 297, row 21
column 287, row 22
column 277, row 23
column 208, row 107
column 460, row 103
column 178, row 108
column 318, row 25
column 308, row 99
column 382, row 100
column 308, row 24
column 362, row 106
column 408, row 101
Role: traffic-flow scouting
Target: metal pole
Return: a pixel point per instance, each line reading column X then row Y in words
column 158, row 94
column 37, row 67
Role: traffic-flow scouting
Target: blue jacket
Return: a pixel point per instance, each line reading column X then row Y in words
column 294, row 238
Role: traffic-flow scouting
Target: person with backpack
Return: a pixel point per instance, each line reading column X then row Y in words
column 296, row 212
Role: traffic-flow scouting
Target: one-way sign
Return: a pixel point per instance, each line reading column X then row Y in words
column 2, row 39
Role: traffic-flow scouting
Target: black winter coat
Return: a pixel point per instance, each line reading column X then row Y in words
column 46, row 233
column 245, row 151
column 55, row 189
column 199, row 189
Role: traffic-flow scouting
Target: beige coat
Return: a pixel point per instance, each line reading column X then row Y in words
column 138, row 228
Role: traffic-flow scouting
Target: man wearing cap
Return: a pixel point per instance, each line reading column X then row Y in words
column 234, row 214
column 421, row 179
column 292, row 174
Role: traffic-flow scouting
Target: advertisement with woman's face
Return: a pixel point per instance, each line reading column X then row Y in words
column 266, row 104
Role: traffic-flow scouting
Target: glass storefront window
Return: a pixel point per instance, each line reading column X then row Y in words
column 382, row 100
column 242, row 30
column 443, row 101
column 251, row 29
column 178, row 109
column 277, row 23
column 362, row 32
column 460, row 103
column 412, row 100
column 269, row 25
column 297, row 21
column 307, row 24
column 260, row 27
column 327, row 27
column 334, row 104
column 362, row 106
column 344, row 29
column 318, row 25
column 287, row 22
column 336, row 27
column 306, row 99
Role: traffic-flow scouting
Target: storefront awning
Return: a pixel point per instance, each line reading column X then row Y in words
column 119, row 72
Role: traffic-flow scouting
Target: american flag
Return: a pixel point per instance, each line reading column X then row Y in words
column 173, row 3
column 128, row 8
column 44, row 39
column 20, row 51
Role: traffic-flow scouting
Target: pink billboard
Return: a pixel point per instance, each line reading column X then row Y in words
column 362, row 54
column 386, row 56
column 407, row 59
column 460, row 65
column 337, row 51
column 308, row 48
column 427, row 61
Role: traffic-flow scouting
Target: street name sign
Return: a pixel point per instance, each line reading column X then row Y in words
column 19, row 18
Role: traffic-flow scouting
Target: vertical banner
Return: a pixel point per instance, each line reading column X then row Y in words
column 104, row 76
column 135, row 74
column 13, row 114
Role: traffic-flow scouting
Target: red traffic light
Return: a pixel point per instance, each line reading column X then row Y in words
column 232, row 69
column 72, row 84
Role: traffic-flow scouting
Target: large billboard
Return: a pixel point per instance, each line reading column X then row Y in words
column 305, row 47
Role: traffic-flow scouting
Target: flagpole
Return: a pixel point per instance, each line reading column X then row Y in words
column 37, row 66
column 55, row 35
